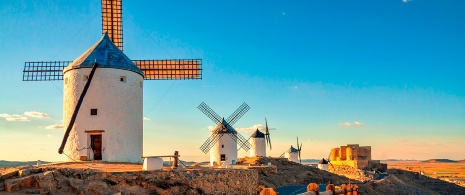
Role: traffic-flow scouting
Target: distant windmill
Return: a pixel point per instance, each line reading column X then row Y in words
column 293, row 154
column 111, row 126
column 259, row 141
column 328, row 162
column 224, row 148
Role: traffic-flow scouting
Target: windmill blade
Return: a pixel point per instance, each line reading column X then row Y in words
column 209, row 112
column 112, row 21
column 242, row 142
column 282, row 155
column 210, row 142
column 297, row 143
column 267, row 134
column 44, row 71
column 299, row 148
column 236, row 115
column 182, row 69
column 268, row 140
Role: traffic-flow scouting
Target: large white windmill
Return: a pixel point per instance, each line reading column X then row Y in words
column 103, row 93
column 259, row 141
column 224, row 139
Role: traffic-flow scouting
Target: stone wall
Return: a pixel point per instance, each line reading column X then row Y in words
column 87, row 181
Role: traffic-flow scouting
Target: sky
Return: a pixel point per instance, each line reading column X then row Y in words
column 387, row 74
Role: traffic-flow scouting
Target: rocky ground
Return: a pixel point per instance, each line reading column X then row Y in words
column 66, row 178
column 398, row 181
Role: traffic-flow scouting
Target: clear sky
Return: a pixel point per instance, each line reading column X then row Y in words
column 389, row 74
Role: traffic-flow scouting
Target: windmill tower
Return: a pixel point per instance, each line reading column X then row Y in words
column 323, row 164
column 259, row 141
column 224, row 139
column 293, row 154
column 103, row 93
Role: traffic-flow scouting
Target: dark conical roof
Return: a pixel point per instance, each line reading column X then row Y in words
column 224, row 127
column 107, row 55
column 292, row 150
column 323, row 161
column 258, row 134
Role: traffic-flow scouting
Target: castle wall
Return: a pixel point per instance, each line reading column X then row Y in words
column 119, row 114
column 365, row 152
column 334, row 154
column 354, row 155
column 342, row 153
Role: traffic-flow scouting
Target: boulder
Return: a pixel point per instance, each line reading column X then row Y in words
column 96, row 187
column 41, row 180
column 12, row 185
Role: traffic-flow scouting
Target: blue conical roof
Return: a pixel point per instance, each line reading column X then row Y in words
column 107, row 55
column 292, row 150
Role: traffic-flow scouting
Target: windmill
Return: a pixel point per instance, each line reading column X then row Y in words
column 323, row 164
column 259, row 141
column 293, row 154
column 224, row 148
column 112, row 127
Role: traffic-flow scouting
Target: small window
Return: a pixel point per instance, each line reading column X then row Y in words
column 122, row 79
column 93, row 111
column 86, row 77
column 223, row 157
column 222, row 146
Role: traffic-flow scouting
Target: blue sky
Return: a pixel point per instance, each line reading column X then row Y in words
column 383, row 73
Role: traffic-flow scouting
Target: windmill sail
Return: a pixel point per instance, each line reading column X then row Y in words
column 112, row 21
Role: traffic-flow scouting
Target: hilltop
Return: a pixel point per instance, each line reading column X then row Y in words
column 439, row 160
column 84, row 177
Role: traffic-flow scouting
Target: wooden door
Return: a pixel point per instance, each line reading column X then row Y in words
column 96, row 145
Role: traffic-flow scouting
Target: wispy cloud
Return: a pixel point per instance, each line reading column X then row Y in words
column 405, row 1
column 211, row 128
column 55, row 126
column 14, row 117
column 146, row 119
column 250, row 129
column 36, row 114
column 355, row 123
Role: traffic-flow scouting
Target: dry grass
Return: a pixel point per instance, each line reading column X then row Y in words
column 454, row 169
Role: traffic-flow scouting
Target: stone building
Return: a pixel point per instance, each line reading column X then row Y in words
column 355, row 156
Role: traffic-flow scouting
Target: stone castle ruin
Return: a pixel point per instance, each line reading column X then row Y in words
column 355, row 156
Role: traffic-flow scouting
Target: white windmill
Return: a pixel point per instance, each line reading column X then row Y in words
column 323, row 164
column 293, row 154
column 107, row 87
column 259, row 141
column 224, row 139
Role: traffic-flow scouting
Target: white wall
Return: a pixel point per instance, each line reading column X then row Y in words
column 323, row 167
column 258, row 147
column 119, row 107
column 230, row 150
column 294, row 156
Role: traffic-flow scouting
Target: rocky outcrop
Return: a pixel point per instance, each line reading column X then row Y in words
column 87, row 181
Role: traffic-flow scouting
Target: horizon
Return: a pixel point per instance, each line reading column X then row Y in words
column 383, row 74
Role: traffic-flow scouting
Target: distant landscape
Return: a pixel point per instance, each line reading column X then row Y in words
column 7, row 164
